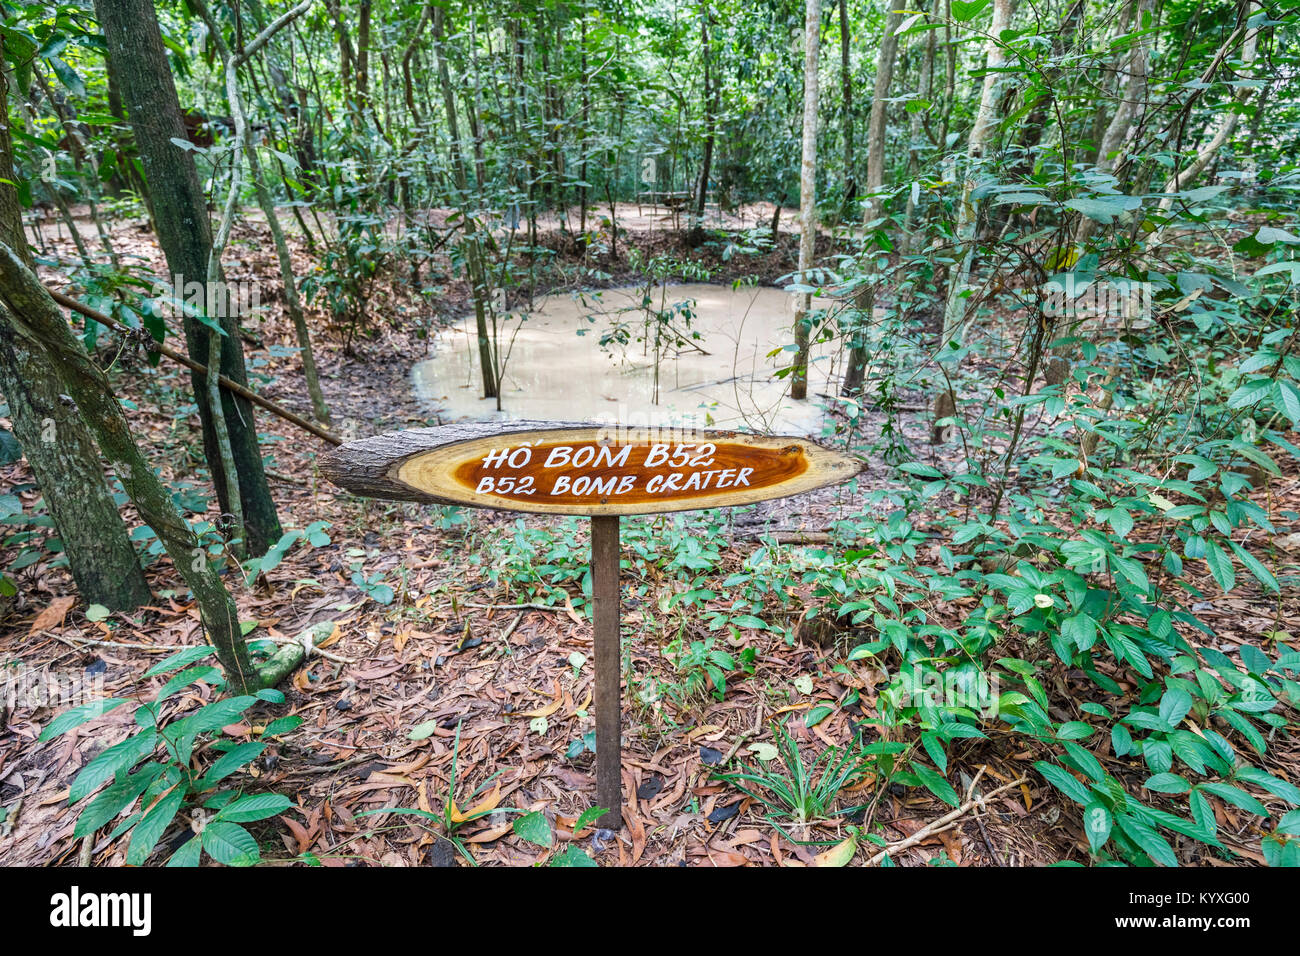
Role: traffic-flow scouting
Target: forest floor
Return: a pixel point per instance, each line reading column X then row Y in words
column 452, row 653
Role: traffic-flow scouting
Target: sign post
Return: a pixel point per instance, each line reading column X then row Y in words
column 602, row 472
column 607, row 650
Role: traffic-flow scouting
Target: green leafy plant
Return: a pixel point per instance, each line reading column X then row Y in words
column 174, row 763
column 451, row 817
column 536, row 829
column 801, row 792
column 314, row 535
column 700, row 665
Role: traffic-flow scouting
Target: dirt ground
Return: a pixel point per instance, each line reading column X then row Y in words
column 453, row 651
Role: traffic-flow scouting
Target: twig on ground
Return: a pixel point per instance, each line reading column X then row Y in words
column 944, row 822
column 513, row 607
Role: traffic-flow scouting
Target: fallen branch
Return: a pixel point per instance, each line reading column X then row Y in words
column 232, row 386
column 942, row 823
column 513, row 624
column 80, row 642
column 514, row 607
column 788, row 537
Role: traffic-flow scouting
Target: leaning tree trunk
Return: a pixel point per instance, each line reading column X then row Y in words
column 41, row 326
column 235, row 100
column 807, row 196
column 1225, row 124
column 56, row 443
column 135, row 46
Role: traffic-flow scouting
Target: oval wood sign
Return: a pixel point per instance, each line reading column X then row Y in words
column 560, row 468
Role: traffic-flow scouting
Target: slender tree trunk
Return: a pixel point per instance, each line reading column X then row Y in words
column 967, row 213
column 876, row 129
column 710, row 129
column 363, row 55
column 1225, row 123
column 135, row 45
column 877, row 124
column 914, row 139
column 1125, row 117
column 236, row 102
column 346, row 59
column 293, row 114
column 807, row 195
column 846, row 107
column 949, row 76
column 473, row 245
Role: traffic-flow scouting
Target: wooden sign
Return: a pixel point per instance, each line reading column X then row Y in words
column 558, row 468
column 547, row 467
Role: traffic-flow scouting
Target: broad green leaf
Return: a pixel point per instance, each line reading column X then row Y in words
column 79, row 715
column 1064, row 781
column 258, row 806
column 1167, row 783
column 152, row 825
column 188, row 854
column 534, row 828
column 935, row 783
column 1097, row 823
column 573, row 856
column 1220, row 566
column 1150, row 842
column 817, row 715
column 180, row 659
column 965, row 10
column 230, row 844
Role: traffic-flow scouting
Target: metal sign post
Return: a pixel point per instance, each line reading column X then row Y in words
column 601, row 472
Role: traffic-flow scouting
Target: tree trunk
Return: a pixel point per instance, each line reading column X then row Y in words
column 914, row 139
column 294, row 307
column 56, row 443
column 345, row 61
column 473, row 245
column 66, row 466
column 1126, row 114
column 135, row 45
column 876, row 128
column 710, row 134
column 1224, row 124
column 807, row 195
column 954, row 313
column 41, row 326
column 846, row 107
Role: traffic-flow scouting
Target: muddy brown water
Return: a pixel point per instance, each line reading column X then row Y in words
column 725, row 375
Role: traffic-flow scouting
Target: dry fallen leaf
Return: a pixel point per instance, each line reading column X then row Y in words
column 838, row 855
column 549, row 708
column 53, row 615
column 483, row 807
column 574, row 616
